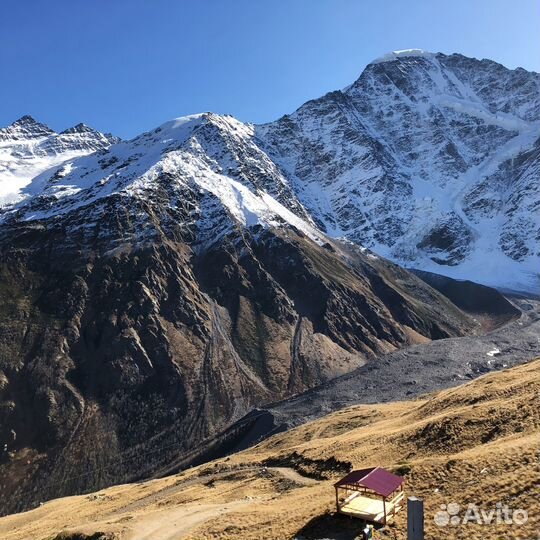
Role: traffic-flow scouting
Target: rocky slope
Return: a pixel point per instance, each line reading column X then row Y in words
column 511, row 339
column 155, row 291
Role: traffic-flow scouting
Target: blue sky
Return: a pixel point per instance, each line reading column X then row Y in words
column 128, row 65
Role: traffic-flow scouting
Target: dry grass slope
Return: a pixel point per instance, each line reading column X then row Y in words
column 474, row 443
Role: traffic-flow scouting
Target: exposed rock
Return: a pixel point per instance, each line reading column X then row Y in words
column 110, row 356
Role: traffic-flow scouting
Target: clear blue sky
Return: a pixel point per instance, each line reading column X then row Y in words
column 128, row 65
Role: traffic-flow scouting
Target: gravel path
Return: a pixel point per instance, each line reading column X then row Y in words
column 163, row 494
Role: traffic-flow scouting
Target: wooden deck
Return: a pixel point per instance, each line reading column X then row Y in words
column 369, row 509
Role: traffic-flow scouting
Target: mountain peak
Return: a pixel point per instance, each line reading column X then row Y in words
column 192, row 121
column 25, row 127
column 90, row 133
column 405, row 53
column 180, row 129
column 26, row 119
column 29, row 121
column 79, row 128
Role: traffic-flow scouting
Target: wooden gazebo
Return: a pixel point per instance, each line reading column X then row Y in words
column 370, row 494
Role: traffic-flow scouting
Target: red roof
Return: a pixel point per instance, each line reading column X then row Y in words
column 378, row 480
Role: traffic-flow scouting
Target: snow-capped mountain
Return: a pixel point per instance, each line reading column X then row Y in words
column 155, row 290
column 427, row 159
column 205, row 170
column 28, row 148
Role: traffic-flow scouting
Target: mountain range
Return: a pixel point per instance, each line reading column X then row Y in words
column 154, row 291
column 430, row 160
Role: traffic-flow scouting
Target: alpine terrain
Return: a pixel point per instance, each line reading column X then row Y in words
column 448, row 445
column 155, row 291
column 430, row 160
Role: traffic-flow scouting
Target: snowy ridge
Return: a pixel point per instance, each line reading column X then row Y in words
column 194, row 152
column 28, row 148
column 431, row 161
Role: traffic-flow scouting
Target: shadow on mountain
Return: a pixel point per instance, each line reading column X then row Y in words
column 486, row 304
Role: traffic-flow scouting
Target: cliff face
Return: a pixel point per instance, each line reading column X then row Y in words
column 428, row 159
column 109, row 355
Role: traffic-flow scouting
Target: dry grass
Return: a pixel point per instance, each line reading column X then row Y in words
column 476, row 443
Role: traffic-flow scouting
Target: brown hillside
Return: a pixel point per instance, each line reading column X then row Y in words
column 476, row 443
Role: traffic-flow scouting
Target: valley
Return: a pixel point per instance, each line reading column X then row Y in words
column 474, row 443
column 202, row 327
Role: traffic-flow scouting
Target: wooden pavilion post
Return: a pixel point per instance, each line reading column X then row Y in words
column 337, row 500
column 384, row 508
